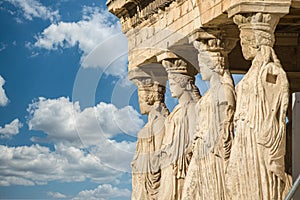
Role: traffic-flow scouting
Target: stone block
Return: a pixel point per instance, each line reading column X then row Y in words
column 295, row 4
column 280, row 7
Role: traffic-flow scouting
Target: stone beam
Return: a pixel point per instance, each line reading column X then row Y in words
column 279, row 7
column 171, row 57
column 217, row 12
column 213, row 12
column 155, row 71
column 295, row 4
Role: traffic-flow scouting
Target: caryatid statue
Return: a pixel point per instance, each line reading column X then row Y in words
column 145, row 164
column 179, row 129
column 256, row 167
column 214, row 131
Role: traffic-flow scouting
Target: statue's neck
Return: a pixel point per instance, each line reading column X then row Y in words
column 215, row 80
column 185, row 97
column 154, row 111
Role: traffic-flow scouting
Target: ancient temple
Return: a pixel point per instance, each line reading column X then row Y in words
column 233, row 142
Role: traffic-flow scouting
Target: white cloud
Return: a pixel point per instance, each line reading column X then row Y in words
column 64, row 122
column 95, row 27
column 103, row 192
column 92, row 128
column 37, row 165
column 98, row 30
column 101, row 159
column 110, row 55
column 3, row 98
column 10, row 129
column 34, row 9
column 57, row 195
column 116, row 155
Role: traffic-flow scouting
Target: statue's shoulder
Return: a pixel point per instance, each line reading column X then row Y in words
column 158, row 124
column 203, row 101
column 274, row 74
column 191, row 110
column 274, row 68
column 229, row 94
column 224, row 94
column 160, row 119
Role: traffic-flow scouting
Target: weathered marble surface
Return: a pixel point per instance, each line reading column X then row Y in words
column 214, row 132
column 256, row 167
column 179, row 128
column 145, row 165
column 196, row 155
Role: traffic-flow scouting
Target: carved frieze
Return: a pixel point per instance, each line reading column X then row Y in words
column 134, row 12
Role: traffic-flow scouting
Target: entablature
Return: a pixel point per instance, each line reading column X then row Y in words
column 153, row 26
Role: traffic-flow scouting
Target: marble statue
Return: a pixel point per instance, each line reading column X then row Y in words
column 214, row 131
column 145, row 164
column 176, row 148
column 256, row 166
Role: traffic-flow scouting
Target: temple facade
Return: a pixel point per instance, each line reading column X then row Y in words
column 233, row 142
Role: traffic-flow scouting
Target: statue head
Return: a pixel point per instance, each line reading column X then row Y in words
column 256, row 30
column 211, row 57
column 149, row 93
column 181, row 78
column 179, row 83
column 215, row 65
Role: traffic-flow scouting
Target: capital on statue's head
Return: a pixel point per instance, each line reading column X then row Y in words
column 179, row 67
column 257, row 28
column 257, row 21
column 175, row 64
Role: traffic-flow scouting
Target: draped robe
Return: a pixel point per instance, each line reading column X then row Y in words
column 212, row 142
column 176, row 150
column 145, row 164
column 256, row 167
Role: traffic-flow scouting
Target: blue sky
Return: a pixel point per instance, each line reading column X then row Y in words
column 61, row 136
column 68, row 115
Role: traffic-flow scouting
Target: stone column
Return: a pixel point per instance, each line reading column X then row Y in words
column 256, row 167
column 214, row 131
column 179, row 126
column 145, row 165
